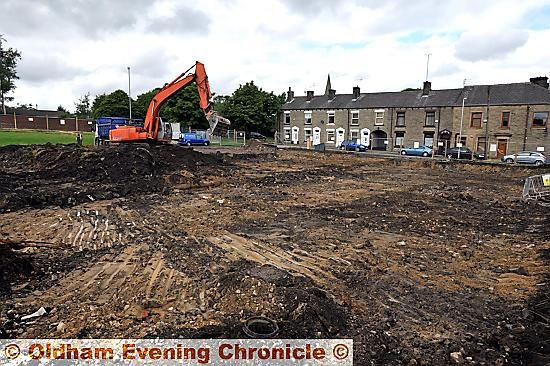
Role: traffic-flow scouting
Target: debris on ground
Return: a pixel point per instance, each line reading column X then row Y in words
column 419, row 264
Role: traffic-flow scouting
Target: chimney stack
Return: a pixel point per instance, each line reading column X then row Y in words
column 540, row 81
column 289, row 95
column 356, row 92
column 427, row 88
column 331, row 94
column 309, row 95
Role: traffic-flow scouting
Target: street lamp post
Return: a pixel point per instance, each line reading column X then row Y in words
column 129, row 94
column 460, row 132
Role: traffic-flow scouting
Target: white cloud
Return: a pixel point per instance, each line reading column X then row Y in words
column 69, row 49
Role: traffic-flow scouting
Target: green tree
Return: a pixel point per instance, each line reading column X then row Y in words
column 251, row 109
column 184, row 107
column 63, row 113
column 82, row 107
column 139, row 107
column 8, row 72
column 114, row 104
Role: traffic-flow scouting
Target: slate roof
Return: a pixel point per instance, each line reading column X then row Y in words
column 500, row 94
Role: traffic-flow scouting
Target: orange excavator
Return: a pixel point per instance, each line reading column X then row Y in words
column 156, row 131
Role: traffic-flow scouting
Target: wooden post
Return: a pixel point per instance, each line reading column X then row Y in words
column 47, row 122
column 14, row 121
column 76, row 122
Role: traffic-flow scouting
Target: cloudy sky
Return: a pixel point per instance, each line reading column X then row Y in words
column 71, row 47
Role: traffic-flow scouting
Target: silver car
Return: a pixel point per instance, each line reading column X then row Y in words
column 526, row 157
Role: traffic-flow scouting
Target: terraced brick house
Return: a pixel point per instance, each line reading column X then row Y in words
column 500, row 119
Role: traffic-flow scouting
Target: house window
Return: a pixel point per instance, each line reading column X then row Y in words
column 30, row 119
column 355, row 118
column 307, row 134
column 539, row 119
column 286, row 134
column 400, row 119
column 505, row 120
column 462, row 140
column 307, row 117
column 330, row 136
column 378, row 117
column 61, row 121
column 476, row 120
column 287, row 118
column 430, row 119
column 330, row 117
column 399, row 139
column 481, row 141
column 354, row 134
column 428, row 139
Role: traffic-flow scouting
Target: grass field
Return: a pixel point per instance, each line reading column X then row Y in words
column 28, row 137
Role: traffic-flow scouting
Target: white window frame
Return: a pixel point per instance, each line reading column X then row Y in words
column 287, row 132
column 356, row 132
column 306, row 130
column 306, row 113
column 333, row 132
column 30, row 119
column 287, row 114
column 61, row 121
column 356, row 119
column 379, row 117
column 333, row 115
column 399, row 140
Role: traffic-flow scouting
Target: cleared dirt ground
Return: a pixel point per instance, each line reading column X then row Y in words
column 420, row 264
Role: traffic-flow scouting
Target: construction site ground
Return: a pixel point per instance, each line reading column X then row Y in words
column 419, row 263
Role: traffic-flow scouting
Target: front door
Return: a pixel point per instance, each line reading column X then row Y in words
column 295, row 135
column 365, row 137
column 502, row 147
column 340, row 134
column 316, row 136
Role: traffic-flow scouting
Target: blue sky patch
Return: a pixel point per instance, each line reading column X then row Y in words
column 538, row 19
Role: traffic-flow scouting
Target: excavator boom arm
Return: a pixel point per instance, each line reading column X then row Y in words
column 201, row 80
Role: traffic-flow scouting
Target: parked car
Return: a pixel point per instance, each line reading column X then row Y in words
column 353, row 145
column 526, row 157
column 465, row 153
column 417, row 151
column 193, row 139
column 256, row 135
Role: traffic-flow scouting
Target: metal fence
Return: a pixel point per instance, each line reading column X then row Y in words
column 537, row 188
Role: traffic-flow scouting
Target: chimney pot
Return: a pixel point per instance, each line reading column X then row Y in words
column 427, row 88
column 540, row 81
column 289, row 94
column 356, row 92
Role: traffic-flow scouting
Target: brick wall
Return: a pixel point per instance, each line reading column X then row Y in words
column 46, row 123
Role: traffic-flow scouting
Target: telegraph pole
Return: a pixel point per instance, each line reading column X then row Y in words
column 129, row 95
column 2, row 74
column 427, row 65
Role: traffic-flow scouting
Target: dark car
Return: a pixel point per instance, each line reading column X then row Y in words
column 352, row 145
column 256, row 135
column 459, row 153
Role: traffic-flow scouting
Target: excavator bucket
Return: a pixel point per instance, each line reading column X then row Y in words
column 218, row 124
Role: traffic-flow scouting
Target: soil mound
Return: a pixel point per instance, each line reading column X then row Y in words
column 41, row 175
